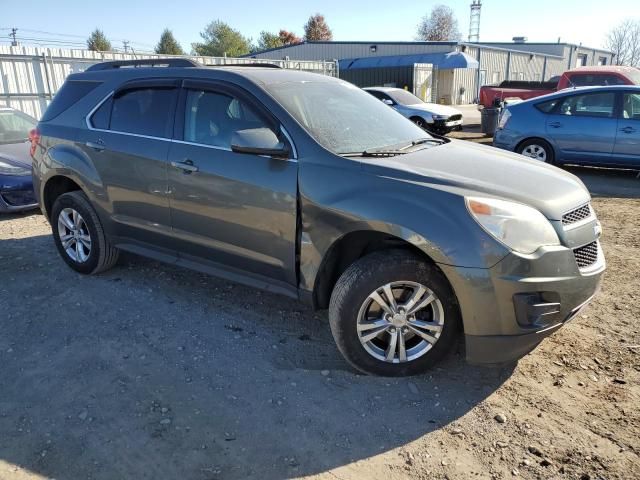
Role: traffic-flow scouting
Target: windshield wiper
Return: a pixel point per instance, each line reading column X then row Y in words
column 393, row 150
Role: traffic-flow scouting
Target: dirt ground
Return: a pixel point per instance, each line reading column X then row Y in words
column 149, row 371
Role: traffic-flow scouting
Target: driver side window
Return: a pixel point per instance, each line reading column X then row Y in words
column 212, row 118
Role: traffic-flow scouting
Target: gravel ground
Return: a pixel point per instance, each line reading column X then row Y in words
column 150, row 371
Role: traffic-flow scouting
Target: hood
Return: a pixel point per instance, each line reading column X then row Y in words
column 434, row 108
column 468, row 168
column 16, row 153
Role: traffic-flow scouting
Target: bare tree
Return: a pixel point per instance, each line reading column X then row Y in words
column 440, row 26
column 624, row 41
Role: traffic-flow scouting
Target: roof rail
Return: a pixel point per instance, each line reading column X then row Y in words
column 145, row 62
column 252, row 64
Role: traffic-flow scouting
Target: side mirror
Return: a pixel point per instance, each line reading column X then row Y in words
column 386, row 101
column 258, row 141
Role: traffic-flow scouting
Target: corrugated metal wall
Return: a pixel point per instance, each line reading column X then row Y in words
column 30, row 76
column 340, row 50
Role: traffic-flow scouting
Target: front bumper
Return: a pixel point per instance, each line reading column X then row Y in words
column 509, row 309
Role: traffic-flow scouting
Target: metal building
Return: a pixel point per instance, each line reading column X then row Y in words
column 494, row 62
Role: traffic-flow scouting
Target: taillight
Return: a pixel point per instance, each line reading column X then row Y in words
column 34, row 137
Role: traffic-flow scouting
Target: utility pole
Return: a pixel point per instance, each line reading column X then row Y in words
column 125, row 44
column 14, row 42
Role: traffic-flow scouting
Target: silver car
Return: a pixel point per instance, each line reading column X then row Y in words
column 439, row 119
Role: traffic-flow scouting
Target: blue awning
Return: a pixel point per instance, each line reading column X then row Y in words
column 439, row 60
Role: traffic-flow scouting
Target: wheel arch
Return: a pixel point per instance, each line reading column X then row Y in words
column 53, row 188
column 539, row 139
column 349, row 248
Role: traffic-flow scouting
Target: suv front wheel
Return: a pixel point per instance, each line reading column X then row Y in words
column 79, row 236
column 393, row 314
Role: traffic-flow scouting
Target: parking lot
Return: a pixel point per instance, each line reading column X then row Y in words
column 150, row 371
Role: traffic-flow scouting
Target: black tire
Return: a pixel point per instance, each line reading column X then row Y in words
column 420, row 122
column 361, row 279
column 102, row 255
column 539, row 142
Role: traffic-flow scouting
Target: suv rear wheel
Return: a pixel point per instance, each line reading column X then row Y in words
column 79, row 236
column 393, row 314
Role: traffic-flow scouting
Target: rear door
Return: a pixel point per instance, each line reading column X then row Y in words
column 128, row 140
column 583, row 127
column 234, row 210
column 627, row 146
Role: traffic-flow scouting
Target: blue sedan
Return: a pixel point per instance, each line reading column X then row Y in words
column 580, row 126
column 16, row 187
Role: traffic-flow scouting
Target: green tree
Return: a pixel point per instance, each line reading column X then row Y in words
column 168, row 45
column 219, row 38
column 268, row 40
column 316, row 29
column 98, row 42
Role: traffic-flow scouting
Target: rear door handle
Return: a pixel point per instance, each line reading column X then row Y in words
column 186, row 166
column 97, row 146
column 628, row 129
column 555, row 124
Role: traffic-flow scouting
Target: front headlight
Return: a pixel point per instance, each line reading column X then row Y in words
column 440, row 117
column 8, row 169
column 519, row 227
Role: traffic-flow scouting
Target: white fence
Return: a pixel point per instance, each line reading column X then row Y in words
column 30, row 76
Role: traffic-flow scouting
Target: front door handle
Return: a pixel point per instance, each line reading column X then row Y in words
column 628, row 130
column 555, row 124
column 98, row 146
column 186, row 166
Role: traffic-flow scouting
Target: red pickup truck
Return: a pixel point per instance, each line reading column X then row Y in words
column 492, row 96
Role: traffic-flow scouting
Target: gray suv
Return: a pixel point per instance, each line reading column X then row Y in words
column 307, row 186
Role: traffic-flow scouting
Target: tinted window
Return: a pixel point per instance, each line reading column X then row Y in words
column 69, row 94
column 376, row 94
column 588, row 105
column 546, row 107
column 145, row 111
column 631, row 106
column 592, row 80
column 344, row 118
column 211, row 118
column 100, row 119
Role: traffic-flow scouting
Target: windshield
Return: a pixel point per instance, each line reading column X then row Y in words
column 15, row 126
column 343, row 118
column 403, row 97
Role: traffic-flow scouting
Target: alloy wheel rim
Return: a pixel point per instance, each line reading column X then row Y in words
column 74, row 235
column 537, row 152
column 400, row 322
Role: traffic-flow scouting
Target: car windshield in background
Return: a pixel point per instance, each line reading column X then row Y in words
column 15, row 126
column 343, row 118
column 404, row 98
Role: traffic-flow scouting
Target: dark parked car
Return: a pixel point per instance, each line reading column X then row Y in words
column 305, row 185
column 16, row 187
column 590, row 126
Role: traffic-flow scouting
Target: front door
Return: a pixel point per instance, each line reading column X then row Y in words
column 627, row 147
column 235, row 210
column 583, row 127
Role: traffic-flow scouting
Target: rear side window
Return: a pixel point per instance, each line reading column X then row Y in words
column 546, row 107
column 144, row 111
column 588, row 105
column 70, row 93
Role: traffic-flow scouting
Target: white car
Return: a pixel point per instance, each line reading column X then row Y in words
column 439, row 119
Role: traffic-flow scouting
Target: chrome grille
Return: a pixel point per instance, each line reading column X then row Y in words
column 576, row 215
column 586, row 255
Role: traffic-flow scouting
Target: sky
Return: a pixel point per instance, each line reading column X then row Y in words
column 142, row 21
